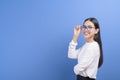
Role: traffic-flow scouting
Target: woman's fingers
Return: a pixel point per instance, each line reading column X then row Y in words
column 77, row 30
column 78, row 27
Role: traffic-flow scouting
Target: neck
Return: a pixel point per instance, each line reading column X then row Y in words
column 90, row 40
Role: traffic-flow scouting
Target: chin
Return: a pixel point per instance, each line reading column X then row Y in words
column 86, row 36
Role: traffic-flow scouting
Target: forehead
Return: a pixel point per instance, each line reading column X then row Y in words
column 89, row 23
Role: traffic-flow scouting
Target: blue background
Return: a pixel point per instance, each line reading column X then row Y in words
column 34, row 37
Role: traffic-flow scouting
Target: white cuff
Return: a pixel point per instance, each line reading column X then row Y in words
column 76, row 69
column 73, row 43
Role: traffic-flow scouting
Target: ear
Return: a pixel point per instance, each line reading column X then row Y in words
column 97, row 30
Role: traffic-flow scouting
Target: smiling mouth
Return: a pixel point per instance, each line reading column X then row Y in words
column 86, row 33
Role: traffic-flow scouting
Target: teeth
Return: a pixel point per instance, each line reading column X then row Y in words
column 86, row 33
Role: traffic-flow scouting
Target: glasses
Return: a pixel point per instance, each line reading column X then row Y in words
column 89, row 28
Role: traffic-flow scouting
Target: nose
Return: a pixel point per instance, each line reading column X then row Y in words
column 86, row 29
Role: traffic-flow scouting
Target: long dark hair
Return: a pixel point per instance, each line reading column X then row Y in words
column 97, row 38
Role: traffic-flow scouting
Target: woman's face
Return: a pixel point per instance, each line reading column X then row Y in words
column 89, row 30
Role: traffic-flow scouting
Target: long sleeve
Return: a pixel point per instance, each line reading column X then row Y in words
column 88, row 61
column 84, row 60
column 72, row 51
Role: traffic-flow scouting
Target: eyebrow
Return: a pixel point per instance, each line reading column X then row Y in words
column 88, row 25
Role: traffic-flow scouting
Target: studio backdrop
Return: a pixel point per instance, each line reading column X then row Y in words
column 35, row 34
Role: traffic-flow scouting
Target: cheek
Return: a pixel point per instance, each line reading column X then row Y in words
column 88, row 34
column 83, row 32
column 92, row 33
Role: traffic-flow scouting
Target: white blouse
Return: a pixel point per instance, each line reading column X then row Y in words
column 88, row 58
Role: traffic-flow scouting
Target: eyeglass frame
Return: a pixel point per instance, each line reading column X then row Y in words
column 89, row 28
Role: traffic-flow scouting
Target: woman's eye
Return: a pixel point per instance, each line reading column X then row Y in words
column 89, row 27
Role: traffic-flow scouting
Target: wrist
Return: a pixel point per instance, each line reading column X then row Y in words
column 75, row 38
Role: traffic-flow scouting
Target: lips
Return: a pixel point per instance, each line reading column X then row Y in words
column 86, row 33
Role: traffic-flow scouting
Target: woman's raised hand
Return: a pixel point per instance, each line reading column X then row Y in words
column 77, row 30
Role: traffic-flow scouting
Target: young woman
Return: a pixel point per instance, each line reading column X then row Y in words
column 89, row 56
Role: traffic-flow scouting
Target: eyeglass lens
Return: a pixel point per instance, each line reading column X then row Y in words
column 87, row 27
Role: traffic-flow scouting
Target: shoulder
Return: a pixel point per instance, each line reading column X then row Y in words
column 93, row 47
